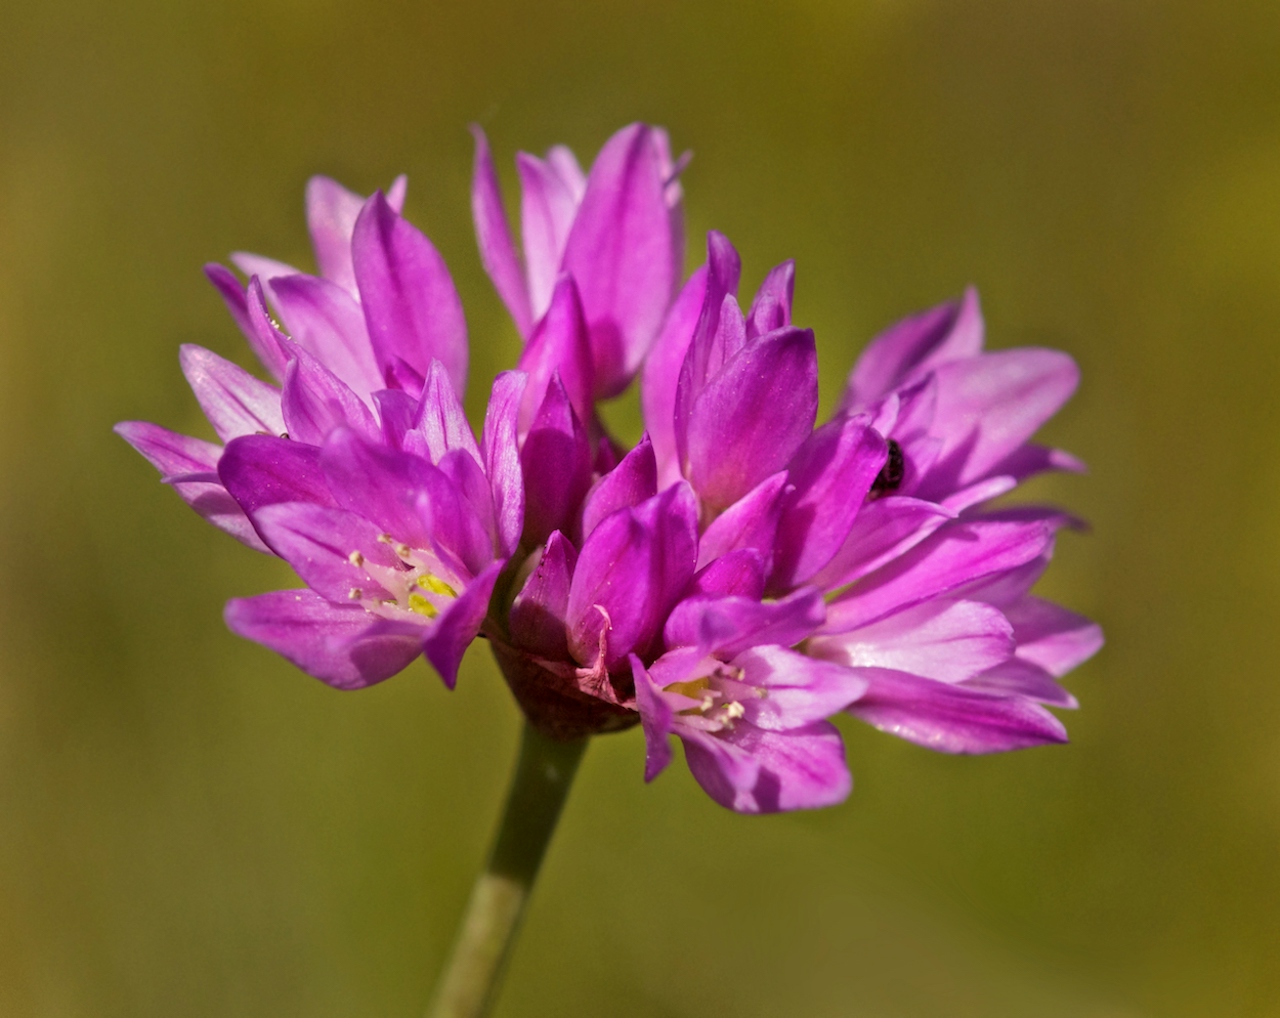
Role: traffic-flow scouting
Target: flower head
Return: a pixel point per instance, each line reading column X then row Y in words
column 741, row 575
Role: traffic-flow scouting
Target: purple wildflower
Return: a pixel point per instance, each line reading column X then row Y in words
column 736, row 579
column 616, row 232
column 361, row 470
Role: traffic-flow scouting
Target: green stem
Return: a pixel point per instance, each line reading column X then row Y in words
column 469, row 983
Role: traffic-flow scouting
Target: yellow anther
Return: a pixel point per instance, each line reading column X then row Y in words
column 692, row 688
column 433, row 583
column 356, row 559
column 355, row 593
column 385, row 539
column 422, row 606
column 734, row 709
column 403, row 550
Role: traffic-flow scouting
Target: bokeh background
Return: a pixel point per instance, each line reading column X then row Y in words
column 190, row 827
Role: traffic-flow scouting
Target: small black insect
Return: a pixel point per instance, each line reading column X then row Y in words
column 891, row 474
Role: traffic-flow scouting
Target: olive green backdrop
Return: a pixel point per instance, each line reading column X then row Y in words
column 190, row 827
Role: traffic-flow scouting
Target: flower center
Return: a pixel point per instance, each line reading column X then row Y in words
column 418, row 582
column 720, row 695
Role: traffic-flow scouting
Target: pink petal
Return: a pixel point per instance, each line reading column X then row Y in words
column 410, row 304
column 945, row 640
column 547, row 208
column 325, row 320
column 493, row 235
column 560, row 345
column 909, row 350
column 459, row 625
column 233, row 400
column 537, row 617
column 953, row 719
column 661, row 375
column 1051, row 636
column 750, row 770
column 501, row 457
column 345, row 647
column 957, row 554
column 622, row 252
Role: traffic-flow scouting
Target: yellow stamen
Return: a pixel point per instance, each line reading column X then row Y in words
column 692, row 688
column 422, row 606
column 433, row 583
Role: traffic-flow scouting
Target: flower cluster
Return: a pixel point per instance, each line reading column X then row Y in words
column 737, row 578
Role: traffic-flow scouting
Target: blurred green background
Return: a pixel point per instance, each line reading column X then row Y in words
column 189, row 826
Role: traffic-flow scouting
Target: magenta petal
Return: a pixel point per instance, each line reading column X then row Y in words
column 493, row 236
column 832, row 473
column 331, row 216
column 661, row 375
column 458, row 533
column 397, row 411
column 177, row 456
column 459, row 624
column 316, row 401
column 799, row 690
column 1031, row 459
column 259, row 470
column 1051, row 636
column 345, row 647
column 772, row 307
column 978, row 492
column 547, row 208
column 958, row 553
column 565, row 164
column 537, row 618
column 332, row 211
column 953, row 719
column 988, row 406
column 740, row 573
column 325, row 320
column 750, row 770
column 501, row 456
column 751, row 522
column 945, row 640
column 167, row 451
column 410, row 304
column 730, row 625
column 236, row 298
column 440, row 424
column 557, row 466
column 753, row 416
column 381, row 484
column 233, row 400
column 323, row 545
column 1022, row 678
column 270, row 344
column 465, row 473
column 248, row 308
column 633, row 566
column 1005, row 588
column 622, row 252
column 883, row 530
column 910, row 349
column 265, row 269
column 656, row 717
column 559, row 345
column 215, row 505
column 628, row 484
column 705, row 354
